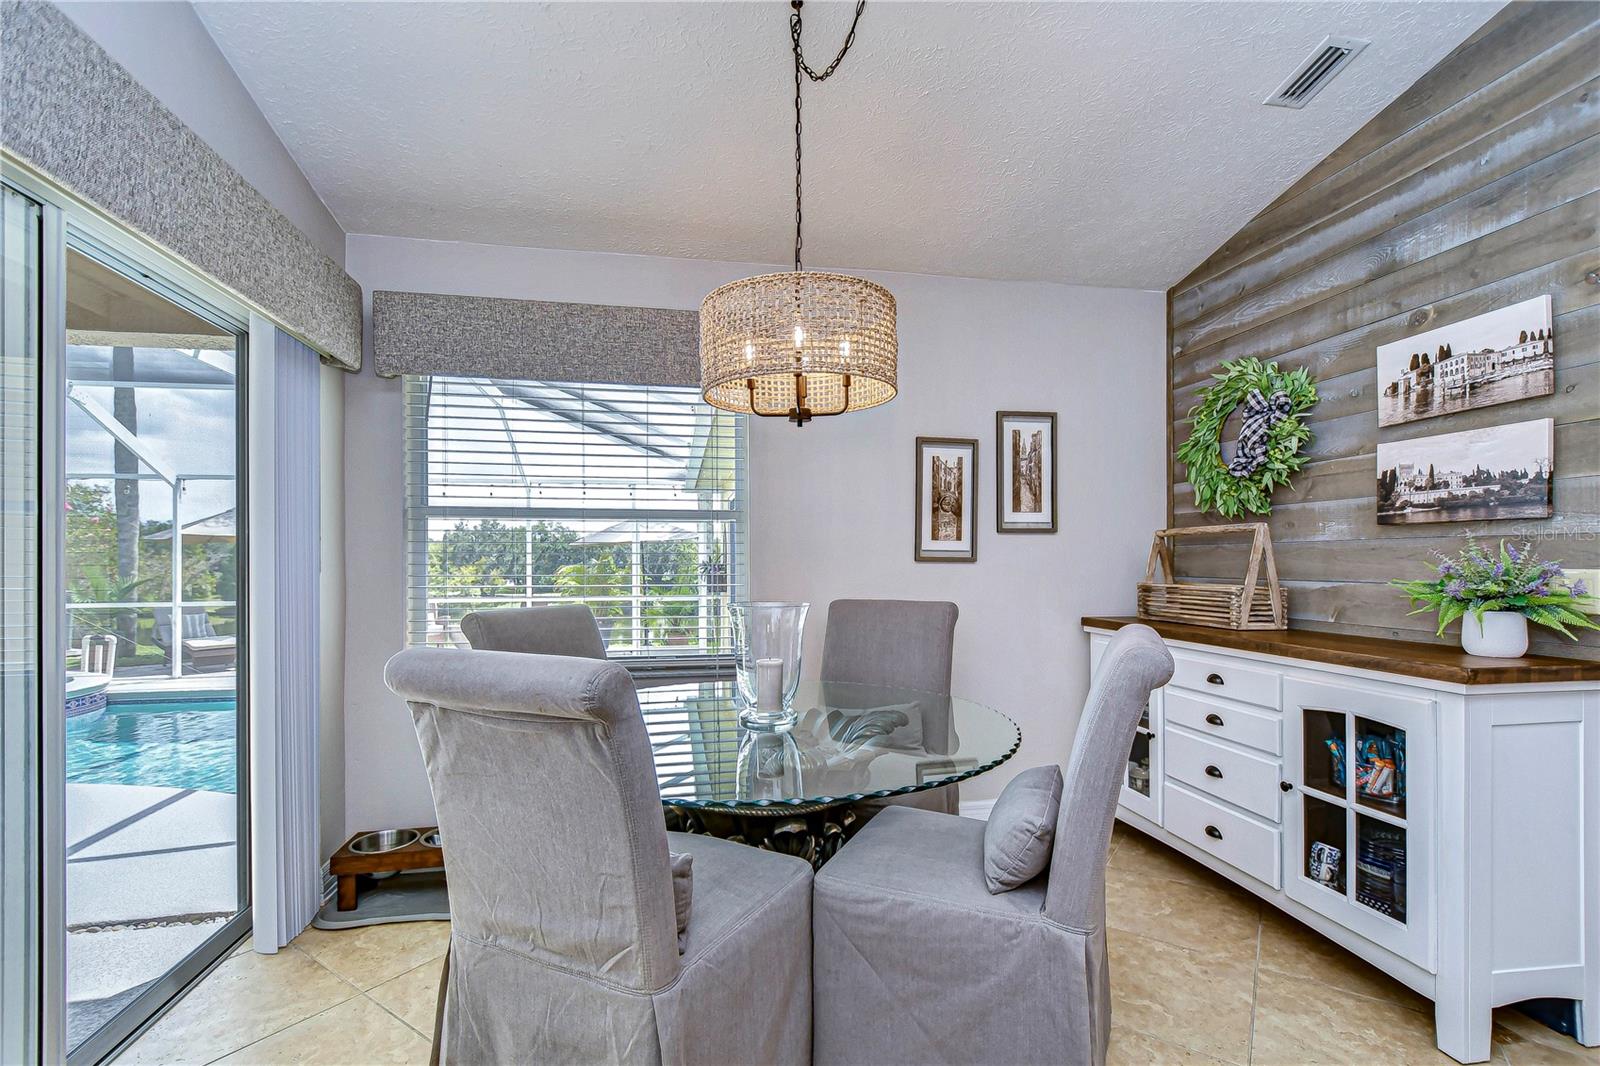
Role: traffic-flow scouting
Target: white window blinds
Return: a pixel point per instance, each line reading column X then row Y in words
column 627, row 498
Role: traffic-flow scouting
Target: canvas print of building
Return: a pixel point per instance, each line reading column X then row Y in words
column 944, row 497
column 1478, row 475
column 1496, row 357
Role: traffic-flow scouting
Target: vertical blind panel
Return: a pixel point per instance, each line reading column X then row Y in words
column 298, row 520
column 630, row 499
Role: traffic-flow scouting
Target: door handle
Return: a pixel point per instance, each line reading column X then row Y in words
column 1214, row 719
column 1213, row 832
column 1214, row 679
column 1285, row 786
column 1212, row 771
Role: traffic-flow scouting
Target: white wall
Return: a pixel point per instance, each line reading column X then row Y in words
column 832, row 502
column 165, row 46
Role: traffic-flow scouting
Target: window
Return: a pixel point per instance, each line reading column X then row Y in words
column 630, row 499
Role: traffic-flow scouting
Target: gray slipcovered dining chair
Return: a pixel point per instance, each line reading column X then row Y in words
column 555, row 629
column 917, row 962
column 564, row 940
column 906, row 644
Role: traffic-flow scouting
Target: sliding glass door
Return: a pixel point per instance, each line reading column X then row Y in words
column 21, row 912
column 153, row 759
column 123, row 813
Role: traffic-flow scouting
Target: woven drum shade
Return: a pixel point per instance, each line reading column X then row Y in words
column 829, row 328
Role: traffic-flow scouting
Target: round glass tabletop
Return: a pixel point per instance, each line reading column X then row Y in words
column 851, row 742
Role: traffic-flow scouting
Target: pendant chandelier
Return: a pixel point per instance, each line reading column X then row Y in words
column 801, row 344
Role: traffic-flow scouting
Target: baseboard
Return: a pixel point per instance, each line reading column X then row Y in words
column 977, row 809
column 330, row 883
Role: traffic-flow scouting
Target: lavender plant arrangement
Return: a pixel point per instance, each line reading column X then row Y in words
column 1498, row 595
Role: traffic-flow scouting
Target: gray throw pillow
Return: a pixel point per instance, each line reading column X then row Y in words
column 682, row 891
column 1021, row 828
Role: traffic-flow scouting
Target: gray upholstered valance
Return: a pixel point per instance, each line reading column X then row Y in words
column 68, row 110
column 480, row 336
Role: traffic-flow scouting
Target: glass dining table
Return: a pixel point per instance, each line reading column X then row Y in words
column 802, row 791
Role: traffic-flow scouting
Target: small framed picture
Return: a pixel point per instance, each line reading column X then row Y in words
column 947, row 497
column 1025, row 471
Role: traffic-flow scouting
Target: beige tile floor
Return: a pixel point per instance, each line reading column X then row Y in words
column 1201, row 974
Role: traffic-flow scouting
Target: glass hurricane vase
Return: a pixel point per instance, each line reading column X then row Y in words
column 767, row 642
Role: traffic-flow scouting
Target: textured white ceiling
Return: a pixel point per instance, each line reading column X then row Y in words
column 1101, row 144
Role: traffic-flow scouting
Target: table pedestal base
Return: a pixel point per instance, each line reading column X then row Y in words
column 814, row 834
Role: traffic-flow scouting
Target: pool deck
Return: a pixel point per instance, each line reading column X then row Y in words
column 143, row 854
column 151, row 873
column 126, row 688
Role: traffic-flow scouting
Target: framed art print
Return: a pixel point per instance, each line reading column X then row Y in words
column 947, row 497
column 1025, row 471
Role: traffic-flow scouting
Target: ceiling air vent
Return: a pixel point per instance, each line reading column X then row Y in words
column 1326, row 60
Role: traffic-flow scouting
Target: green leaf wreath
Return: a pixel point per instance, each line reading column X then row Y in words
column 1215, row 487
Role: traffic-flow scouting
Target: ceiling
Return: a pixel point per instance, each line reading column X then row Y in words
column 1101, row 144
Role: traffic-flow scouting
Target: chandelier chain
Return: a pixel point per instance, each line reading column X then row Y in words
column 802, row 67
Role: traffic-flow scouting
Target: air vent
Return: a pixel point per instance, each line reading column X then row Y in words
column 1326, row 60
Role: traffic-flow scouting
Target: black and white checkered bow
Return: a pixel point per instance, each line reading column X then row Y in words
column 1260, row 415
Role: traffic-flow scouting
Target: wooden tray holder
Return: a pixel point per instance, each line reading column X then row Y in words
column 1218, row 605
column 348, row 866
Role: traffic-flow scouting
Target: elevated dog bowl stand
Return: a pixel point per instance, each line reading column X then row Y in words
column 348, row 864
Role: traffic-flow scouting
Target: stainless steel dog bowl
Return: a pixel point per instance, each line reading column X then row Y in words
column 383, row 840
column 431, row 839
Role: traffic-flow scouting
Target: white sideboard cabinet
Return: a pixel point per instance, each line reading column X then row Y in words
column 1435, row 813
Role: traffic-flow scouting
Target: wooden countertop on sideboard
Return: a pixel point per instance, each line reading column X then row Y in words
column 1437, row 662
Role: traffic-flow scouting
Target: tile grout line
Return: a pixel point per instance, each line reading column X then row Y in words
column 1350, row 991
column 297, row 1021
column 276, row 1032
column 368, row 993
column 404, row 1024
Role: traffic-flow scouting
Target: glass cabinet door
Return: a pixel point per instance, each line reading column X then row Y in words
column 1360, row 764
column 1141, row 778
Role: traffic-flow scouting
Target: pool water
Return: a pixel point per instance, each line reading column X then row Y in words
column 189, row 744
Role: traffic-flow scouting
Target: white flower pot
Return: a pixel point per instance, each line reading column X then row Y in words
column 1501, row 635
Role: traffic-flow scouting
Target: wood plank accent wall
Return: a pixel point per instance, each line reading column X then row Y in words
column 1477, row 188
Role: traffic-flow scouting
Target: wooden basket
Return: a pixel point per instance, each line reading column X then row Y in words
column 1220, row 606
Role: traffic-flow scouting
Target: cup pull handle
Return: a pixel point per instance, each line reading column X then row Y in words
column 1213, row 832
column 1214, row 719
column 1212, row 771
column 1214, row 679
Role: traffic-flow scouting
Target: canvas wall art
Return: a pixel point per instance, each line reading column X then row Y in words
column 947, row 495
column 1025, row 472
column 1477, row 475
column 1497, row 357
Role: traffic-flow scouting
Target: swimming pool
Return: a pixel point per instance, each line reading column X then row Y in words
column 181, row 744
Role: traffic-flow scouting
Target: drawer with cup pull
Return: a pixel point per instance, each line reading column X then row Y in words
column 1261, row 730
column 1235, row 838
column 1245, row 780
column 1226, row 677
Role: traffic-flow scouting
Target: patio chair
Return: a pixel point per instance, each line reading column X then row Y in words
column 203, row 647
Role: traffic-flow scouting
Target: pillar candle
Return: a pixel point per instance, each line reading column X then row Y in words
column 769, row 684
